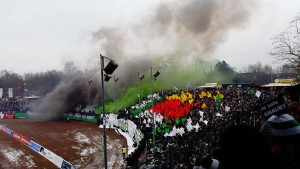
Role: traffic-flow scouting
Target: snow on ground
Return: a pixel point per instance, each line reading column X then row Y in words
column 93, row 148
column 16, row 157
column 114, row 157
column 81, row 138
column 12, row 155
column 29, row 162
column 88, row 146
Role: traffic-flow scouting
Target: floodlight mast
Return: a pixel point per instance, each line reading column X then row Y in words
column 140, row 78
column 153, row 77
column 109, row 69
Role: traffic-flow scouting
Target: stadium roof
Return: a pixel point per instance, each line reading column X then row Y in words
column 280, row 84
column 210, row 85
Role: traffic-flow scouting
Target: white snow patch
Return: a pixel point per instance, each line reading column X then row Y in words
column 110, row 147
column 81, row 138
column 87, row 151
column 30, row 163
column 12, row 155
column 112, row 161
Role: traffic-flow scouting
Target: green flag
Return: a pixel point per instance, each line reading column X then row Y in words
column 164, row 125
column 154, row 132
column 183, row 119
column 217, row 108
column 177, row 121
column 149, row 104
column 218, row 99
column 159, row 130
column 167, row 130
column 252, row 91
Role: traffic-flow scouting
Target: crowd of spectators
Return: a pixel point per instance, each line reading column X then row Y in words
column 7, row 105
column 214, row 111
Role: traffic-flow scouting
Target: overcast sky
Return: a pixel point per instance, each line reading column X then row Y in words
column 41, row 35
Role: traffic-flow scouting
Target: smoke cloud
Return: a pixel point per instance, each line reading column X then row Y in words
column 176, row 38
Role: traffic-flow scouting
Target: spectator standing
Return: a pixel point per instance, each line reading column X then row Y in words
column 244, row 145
column 294, row 110
column 124, row 150
column 285, row 140
column 208, row 163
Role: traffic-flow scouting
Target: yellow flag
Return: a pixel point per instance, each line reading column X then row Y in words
column 203, row 94
column 221, row 95
column 203, row 106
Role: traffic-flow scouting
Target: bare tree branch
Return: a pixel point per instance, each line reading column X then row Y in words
column 286, row 45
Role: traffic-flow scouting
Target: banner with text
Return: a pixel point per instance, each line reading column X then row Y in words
column 66, row 165
column 9, row 132
column 17, row 136
column 9, row 115
column 275, row 106
column 88, row 117
column 35, row 146
column 55, row 159
column 3, row 128
column 24, row 140
column 10, row 92
column 1, row 92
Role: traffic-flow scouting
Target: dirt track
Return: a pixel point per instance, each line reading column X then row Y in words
column 79, row 143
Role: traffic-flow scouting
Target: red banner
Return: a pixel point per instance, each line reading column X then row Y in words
column 17, row 136
column 24, row 140
column 9, row 116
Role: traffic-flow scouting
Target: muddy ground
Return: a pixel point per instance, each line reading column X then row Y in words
column 79, row 143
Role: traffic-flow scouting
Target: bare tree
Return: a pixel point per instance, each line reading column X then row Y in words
column 42, row 83
column 286, row 45
column 10, row 79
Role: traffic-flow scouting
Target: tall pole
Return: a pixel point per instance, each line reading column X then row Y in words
column 89, row 93
column 24, row 90
column 88, row 80
column 103, row 111
column 139, row 93
column 153, row 115
column 115, row 94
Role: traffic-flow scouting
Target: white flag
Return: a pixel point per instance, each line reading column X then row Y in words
column 197, row 127
column 227, row 108
column 257, row 94
column 10, row 92
column 219, row 115
column 189, row 127
column 180, row 131
column 1, row 92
